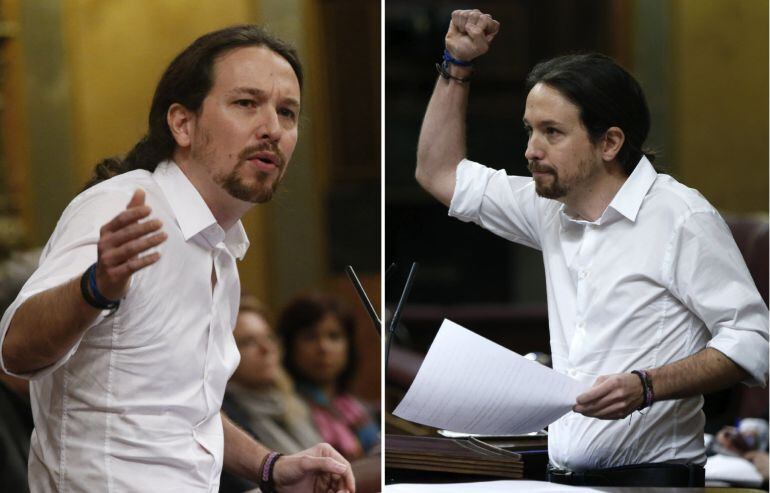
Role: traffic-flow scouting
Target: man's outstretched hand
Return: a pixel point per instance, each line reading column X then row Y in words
column 122, row 247
column 469, row 34
column 319, row 469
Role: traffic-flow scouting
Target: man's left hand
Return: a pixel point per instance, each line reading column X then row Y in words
column 319, row 469
column 611, row 397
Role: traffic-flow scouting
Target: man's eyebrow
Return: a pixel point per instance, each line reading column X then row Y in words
column 543, row 123
column 248, row 90
column 253, row 91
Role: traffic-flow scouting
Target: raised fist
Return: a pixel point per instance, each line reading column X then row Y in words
column 469, row 34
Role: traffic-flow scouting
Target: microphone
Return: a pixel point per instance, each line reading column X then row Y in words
column 389, row 271
column 397, row 313
column 364, row 298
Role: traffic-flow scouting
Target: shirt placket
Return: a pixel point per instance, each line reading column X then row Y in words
column 217, row 306
column 206, row 390
column 581, row 274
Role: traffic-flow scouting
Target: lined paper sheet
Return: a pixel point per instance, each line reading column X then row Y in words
column 488, row 487
column 469, row 384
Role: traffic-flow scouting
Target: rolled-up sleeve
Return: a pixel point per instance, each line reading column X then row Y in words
column 68, row 253
column 505, row 205
column 709, row 275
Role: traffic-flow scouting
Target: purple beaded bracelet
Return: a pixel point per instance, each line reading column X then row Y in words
column 647, row 393
column 266, row 482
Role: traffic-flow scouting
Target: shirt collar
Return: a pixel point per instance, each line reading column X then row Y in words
column 627, row 201
column 629, row 198
column 193, row 215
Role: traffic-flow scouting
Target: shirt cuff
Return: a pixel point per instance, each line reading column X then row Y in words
column 747, row 350
column 471, row 180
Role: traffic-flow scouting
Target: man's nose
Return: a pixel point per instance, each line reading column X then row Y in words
column 534, row 150
column 270, row 125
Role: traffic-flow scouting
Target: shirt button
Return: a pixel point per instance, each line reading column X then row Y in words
column 572, row 372
column 583, row 274
column 581, row 325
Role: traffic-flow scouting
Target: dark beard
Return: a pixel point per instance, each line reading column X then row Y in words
column 258, row 194
column 262, row 192
column 553, row 191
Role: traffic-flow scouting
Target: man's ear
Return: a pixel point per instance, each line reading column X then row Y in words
column 180, row 121
column 611, row 143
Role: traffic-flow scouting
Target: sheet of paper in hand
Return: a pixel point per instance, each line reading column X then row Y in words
column 469, row 384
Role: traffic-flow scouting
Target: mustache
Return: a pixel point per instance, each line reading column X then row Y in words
column 540, row 168
column 272, row 147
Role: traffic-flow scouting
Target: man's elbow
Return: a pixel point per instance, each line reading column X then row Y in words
column 10, row 355
column 421, row 176
column 17, row 357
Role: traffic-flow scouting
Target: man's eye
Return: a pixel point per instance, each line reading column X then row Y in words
column 528, row 130
column 246, row 103
column 551, row 131
column 288, row 113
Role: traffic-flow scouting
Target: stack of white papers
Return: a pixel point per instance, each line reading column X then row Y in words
column 733, row 470
column 469, row 384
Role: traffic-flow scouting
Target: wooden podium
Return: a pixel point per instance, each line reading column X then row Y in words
column 439, row 459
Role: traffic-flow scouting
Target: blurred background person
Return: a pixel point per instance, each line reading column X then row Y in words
column 317, row 332
column 261, row 396
column 15, row 412
column 260, row 392
column 749, row 440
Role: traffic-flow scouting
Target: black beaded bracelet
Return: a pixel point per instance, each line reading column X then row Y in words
column 443, row 70
column 91, row 293
column 647, row 393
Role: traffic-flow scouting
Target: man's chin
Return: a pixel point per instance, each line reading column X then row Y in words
column 256, row 193
column 255, row 196
column 551, row 191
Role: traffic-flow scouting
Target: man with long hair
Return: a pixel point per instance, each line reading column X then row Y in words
column 126, row 327
column 648, row 297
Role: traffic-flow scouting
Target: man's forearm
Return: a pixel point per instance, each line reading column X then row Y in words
column 441, row 145
column 616, row 396
column 243, row 454
column 442, row 137
column 703, row 372
column 48, row 324
column 45, row 327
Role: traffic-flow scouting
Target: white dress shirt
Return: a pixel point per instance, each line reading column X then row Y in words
column 134, row 406
column 655, row 279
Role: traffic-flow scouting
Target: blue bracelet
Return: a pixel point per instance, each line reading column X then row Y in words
column 100, row 299
column 454, row 61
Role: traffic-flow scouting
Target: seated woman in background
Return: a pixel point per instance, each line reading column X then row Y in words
column 320, row 355
column 260, row 396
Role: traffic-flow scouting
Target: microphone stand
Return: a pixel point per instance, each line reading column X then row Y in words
column 370, row 309
column 364, row 298
column 397, row 313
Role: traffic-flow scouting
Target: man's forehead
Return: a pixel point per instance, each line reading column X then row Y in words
column 246, row 68
column 546, row 104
